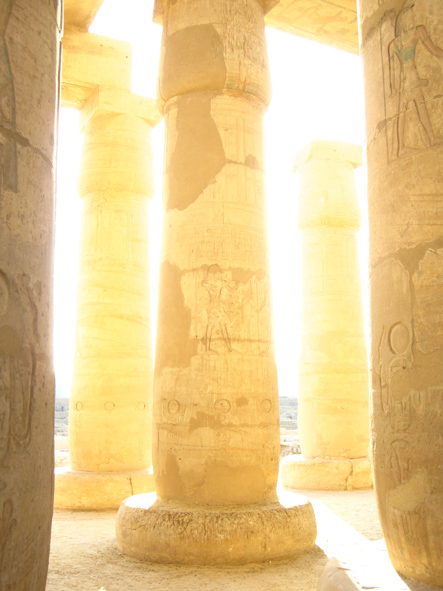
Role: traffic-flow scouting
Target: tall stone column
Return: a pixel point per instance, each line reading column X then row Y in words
column 216, row 424
column 402, row 51
column 29, row 58
column 110, row 406
column 333, row 371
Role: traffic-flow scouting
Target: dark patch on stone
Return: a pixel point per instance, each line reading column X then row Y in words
column 243, row 401
column 193, row 61
column 198, row 156
column 225, row 484
column 174, row 346
column 170, row 484
column 203, row 419
column 241, row 275
column 252, row 162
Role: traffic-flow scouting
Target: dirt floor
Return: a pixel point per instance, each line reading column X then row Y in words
column 84, row 555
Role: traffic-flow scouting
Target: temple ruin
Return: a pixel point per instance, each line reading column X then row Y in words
column 213, row 391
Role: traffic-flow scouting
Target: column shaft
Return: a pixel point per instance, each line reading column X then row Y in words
column 216, row 424
column 402, row 51
column 110, row 420
column 333, row 371
column 111, row 400
column 29, row 58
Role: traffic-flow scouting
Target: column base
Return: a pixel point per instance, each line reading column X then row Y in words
column 157, row 531
column 320, row 474
column 98, row 491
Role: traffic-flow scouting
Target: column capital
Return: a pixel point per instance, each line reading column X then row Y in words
column 107, row 99
column 329, row 150
column 328, row 194
column 160, row 5
column 90, row 61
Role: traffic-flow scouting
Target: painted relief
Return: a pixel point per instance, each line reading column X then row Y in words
column 413, row 77
column 8, row 146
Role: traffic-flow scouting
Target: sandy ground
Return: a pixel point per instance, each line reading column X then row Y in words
column 84, row 555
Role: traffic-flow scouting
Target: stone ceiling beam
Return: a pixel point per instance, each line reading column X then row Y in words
column 333, row 22
column 80, row 13
column 90, row 61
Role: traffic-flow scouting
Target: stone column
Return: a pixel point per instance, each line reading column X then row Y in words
column 216, row 424
column 333, row 371
column 110, row 405
column 402, row 51
column 29, row 58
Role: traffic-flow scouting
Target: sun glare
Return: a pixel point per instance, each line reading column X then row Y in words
column 317, row 93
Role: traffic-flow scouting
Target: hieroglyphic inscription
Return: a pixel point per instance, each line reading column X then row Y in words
column 412, row 64
column 7, row 524
column 8, row 147
column 408, row 417
column 17, row 368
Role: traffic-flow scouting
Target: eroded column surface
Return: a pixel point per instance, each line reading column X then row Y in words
column 29, row 57
column 110, row 407
column 333, row 370
column 402, row 51
column 216, row 425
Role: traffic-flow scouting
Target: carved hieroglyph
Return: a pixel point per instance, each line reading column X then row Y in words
column 403, row 59
column 111, row 399
column 216, row 425
column 333, row 373
column 28, row 100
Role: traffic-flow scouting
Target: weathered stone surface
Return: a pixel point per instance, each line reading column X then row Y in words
column 336, row 578
column 303, row 473
column 80, row 13
column 29, row 56
column 223, row 535
column 402, row 50
column 98, row 491
column 216, row 433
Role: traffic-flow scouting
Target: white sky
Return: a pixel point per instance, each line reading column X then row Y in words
column 317, row 93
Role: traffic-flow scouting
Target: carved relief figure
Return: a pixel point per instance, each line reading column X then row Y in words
column 407, row 83
column 234, row 313
column 8, row 147
column 217, row 314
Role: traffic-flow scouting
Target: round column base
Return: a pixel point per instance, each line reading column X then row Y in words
column 320, row 474
column 158, row 531
column 98, row 491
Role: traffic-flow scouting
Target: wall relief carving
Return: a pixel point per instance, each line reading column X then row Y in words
column 17, row 377
column 8, row 146
column 231, row 313
column 412, row 68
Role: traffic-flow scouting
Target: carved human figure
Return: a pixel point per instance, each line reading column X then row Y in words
column 408, row 85
column 8, row 147
column 217, row 316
